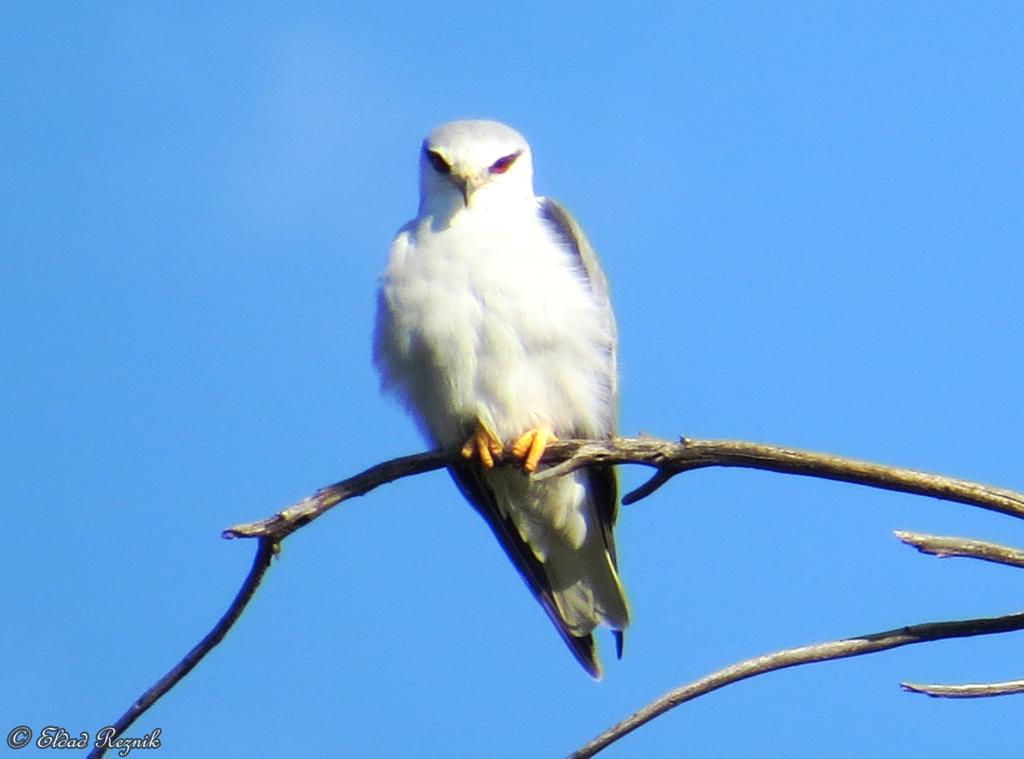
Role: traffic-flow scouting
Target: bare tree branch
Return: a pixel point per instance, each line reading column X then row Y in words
column 970, row 690
column 285, row 522
column 687, row 454
column 261, row 562
column 669, row 459
column 945, row 547
column 791, row 657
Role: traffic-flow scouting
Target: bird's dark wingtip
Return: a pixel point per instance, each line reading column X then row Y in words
column 582, row 647
column 619, row 640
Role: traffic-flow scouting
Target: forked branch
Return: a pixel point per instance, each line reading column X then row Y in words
column 669, row 458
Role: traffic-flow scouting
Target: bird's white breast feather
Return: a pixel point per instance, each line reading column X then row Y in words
column 492, row 319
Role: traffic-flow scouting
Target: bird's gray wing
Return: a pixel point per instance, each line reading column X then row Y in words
column 567, row 227
column 571, row 234
column 602, row 481
column 479, row 494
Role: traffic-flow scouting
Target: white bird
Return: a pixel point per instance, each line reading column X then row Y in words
column 495, row 329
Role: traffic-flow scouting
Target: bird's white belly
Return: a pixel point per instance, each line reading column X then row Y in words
column 509, row 331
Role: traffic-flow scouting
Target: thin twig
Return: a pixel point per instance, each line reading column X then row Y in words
column 968, row 690
column 945, row 547
column 791, row 657
column 265, row 551
column 285, row 522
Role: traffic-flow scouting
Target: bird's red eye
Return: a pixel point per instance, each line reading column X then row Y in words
column 502, row 164
column 441, row 166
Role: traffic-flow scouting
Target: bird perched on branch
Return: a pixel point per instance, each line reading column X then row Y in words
column 495, row 329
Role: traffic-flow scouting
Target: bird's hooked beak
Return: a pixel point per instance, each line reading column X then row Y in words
column 467, row 180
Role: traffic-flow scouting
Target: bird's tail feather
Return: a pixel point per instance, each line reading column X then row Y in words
column 575, row 580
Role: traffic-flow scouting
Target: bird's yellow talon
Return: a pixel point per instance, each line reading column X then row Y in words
column 485, row 456
column 522, row 444
column 482, row 445
column 530, row 446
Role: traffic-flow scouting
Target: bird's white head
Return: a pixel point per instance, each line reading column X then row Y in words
column 473, row 164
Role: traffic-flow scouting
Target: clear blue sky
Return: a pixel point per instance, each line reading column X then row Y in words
column 810, row 216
